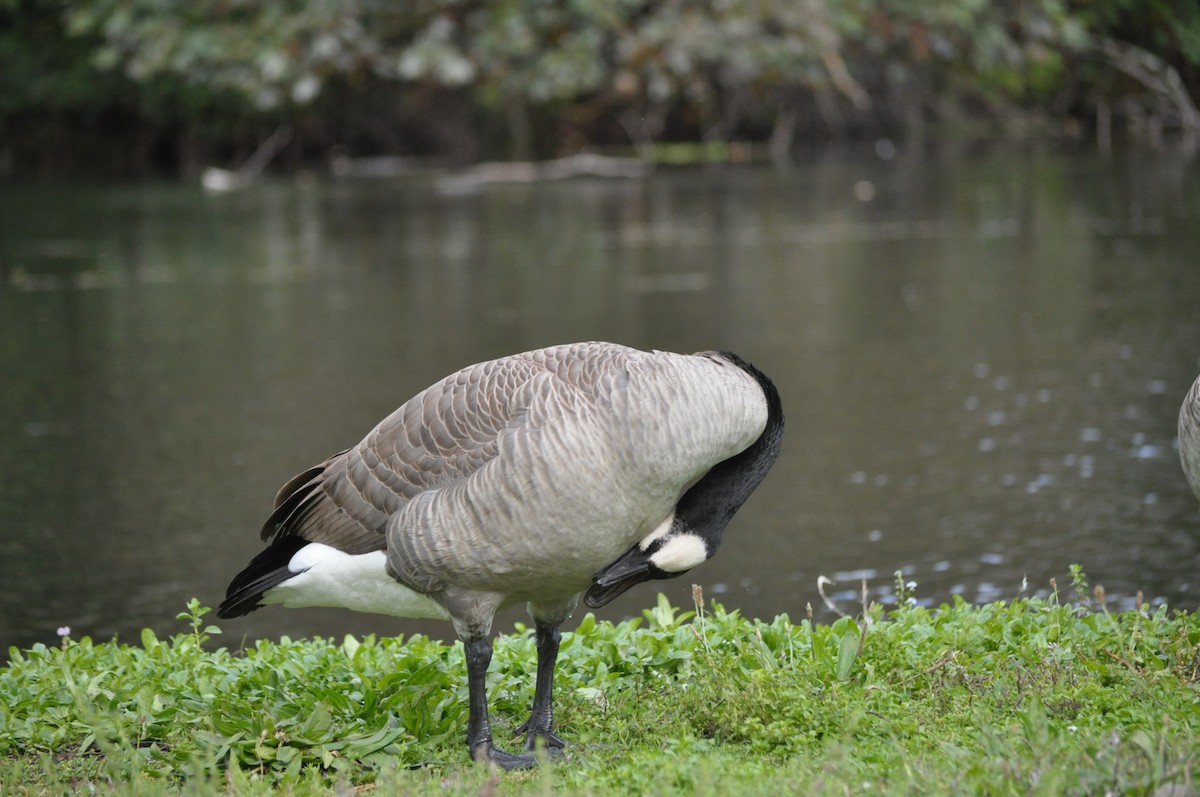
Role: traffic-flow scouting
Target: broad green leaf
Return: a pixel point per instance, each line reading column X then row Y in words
column 847, row 653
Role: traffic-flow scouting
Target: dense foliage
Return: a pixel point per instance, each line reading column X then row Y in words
column 183, row 83
column 1031, row 696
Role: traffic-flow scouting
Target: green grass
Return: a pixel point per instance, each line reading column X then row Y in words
column 1030, row 696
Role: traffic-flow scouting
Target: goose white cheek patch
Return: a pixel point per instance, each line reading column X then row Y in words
column 680, row 553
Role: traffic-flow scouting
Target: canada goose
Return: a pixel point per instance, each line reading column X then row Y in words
column 1189, row 437
column 534, row 478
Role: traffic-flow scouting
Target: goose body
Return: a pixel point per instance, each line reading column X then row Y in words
column 1189, row 437
column 537, row 478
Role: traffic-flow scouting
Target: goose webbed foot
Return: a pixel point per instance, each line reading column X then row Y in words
column 553, row 743
column 510, row 762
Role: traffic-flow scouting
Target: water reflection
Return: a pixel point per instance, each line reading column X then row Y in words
column 981, row 360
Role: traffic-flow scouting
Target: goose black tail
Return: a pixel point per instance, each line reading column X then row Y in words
column 268, row 569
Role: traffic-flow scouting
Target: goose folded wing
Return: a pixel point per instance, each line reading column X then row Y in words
column 440, row 436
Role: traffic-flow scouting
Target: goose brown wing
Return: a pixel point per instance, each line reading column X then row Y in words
column 440, row 436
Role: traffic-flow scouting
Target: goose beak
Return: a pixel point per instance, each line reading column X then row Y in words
column 598, row 596
column 614, row 579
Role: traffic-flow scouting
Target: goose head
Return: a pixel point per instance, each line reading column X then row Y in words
column 670, row 551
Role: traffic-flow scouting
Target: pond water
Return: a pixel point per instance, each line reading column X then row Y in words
column 981, row 356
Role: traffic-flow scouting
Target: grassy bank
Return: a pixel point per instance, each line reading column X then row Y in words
column 1032, row 696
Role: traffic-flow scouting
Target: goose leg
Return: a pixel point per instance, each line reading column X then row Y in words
column 541, row 718
column 479, row 726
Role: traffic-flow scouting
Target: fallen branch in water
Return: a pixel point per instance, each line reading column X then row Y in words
column 220, row 180
column 583, row 165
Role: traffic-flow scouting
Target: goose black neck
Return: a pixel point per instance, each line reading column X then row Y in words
column 707, row 507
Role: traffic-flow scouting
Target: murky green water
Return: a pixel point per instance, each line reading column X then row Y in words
column 981, row 358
